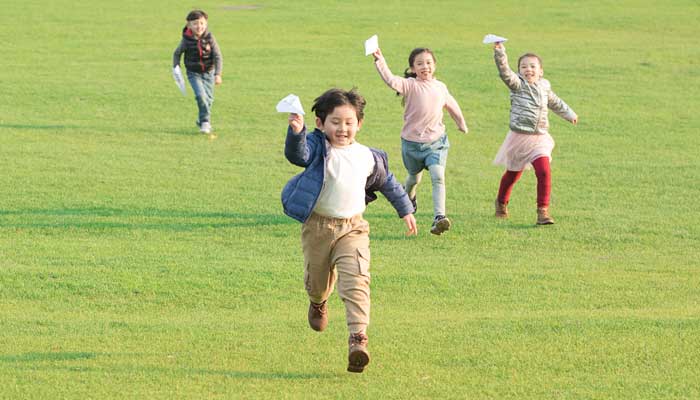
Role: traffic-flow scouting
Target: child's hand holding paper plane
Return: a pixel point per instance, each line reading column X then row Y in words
column 179, row 80
column 292, row 105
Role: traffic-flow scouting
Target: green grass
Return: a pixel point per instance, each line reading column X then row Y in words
column 140, row 260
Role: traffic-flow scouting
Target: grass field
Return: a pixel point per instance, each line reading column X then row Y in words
column 140, row 260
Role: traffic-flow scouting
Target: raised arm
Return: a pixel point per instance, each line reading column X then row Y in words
column 395, row 82
column 507, row 75
column 561, row 108
column 297, row 149
column 456, row 113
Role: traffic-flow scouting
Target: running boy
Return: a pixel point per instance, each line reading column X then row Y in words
column 203, row 62
column 340, row 177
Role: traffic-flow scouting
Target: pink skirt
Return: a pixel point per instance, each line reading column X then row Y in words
column 521, row 149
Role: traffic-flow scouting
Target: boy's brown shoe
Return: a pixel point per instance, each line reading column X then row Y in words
column 501, row 210
column 318, row 316
column 543, row 217
column 358, row 356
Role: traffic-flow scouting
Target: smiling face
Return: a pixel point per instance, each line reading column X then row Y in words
column 198, row 26
column 340, row 126
column 423, row 66
column 530, row 68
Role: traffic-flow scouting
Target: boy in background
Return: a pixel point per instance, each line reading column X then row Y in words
column 203, row 62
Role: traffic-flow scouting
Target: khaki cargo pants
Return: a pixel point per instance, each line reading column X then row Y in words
column 337, row 250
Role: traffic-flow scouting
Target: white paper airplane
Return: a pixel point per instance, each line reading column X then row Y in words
column 493, row 39
column 179, row 80
column 290, row 104
column 371, row 45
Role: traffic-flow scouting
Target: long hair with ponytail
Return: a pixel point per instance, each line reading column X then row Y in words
column 411, row 59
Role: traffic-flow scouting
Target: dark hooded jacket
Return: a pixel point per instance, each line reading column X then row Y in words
column 201, row 54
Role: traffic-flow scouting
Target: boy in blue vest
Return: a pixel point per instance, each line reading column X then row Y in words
column 340, row 177
column 203, row 62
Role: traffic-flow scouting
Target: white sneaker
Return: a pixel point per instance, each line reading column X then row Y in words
column 205, row 127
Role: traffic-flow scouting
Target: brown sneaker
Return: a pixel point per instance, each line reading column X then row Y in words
column 501, row 210
column 543, row 217
column 440, row 224
column 318, row 316
column 358, row 356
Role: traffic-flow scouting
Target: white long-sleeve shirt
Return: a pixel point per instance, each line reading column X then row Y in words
column 343, row 192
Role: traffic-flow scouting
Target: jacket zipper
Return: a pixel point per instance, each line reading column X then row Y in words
column 201, row 59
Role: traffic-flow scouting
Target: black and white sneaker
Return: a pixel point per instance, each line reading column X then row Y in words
column 440, row 224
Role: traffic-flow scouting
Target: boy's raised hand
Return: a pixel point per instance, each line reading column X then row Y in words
column 296, row 122
column 410, row 221
column 498, row 45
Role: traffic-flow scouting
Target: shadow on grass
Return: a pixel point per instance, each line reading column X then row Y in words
column 178, row 131
column 260, row 375
column 181, row 131
column 149, row 219
column 73, row 356
column 510, row 227
column 37, row 127
column 37, row 357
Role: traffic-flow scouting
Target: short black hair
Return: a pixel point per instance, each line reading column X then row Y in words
column 197, row 14
column 332, row 98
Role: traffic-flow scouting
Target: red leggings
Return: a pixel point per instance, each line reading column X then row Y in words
column 544, row 182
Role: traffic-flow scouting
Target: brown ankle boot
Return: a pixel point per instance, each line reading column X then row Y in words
column 318, row 316
column 501, row 210
column 543, row 217
column 358, row 356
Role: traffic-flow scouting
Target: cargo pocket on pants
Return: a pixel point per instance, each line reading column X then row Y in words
column 363, row 260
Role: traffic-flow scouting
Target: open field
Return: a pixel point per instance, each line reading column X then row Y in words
column 140, row 260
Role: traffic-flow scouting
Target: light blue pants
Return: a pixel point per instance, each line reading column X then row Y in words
column 433, row 157
column 437, row 176
column 203, row 87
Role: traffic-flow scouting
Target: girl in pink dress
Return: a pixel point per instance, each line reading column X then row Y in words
column 528, row 142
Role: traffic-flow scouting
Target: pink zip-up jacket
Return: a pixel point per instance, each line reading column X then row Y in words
column 424, row 103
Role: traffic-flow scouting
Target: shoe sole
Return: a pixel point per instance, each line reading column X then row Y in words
column 442, row 226
column 545, row 223
column 357, row 361
column 317, row 328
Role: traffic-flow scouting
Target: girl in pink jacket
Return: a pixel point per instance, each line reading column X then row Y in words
column 424, row 141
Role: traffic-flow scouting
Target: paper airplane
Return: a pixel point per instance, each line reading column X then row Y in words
column 371, row 45
column 493, row 39
column 290, row 104
column 179, row 80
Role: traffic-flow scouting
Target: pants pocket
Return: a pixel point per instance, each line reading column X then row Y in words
column 363, row 259
column 307, row 278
